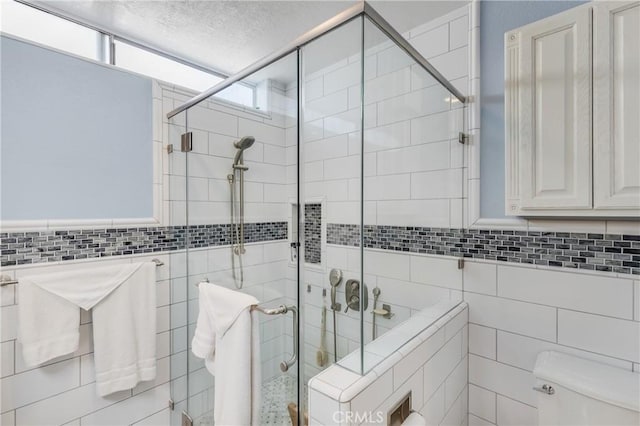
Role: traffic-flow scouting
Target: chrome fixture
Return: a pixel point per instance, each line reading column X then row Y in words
column 7, row 280
column 376, row 295
column 549, row 390
column 283, row 310
column 352, row 296
column 335, row 278
column 186, row 142
column 384, row 312
column 237, row 229
column 241, row 145
column 463, row 138
column 280, row 310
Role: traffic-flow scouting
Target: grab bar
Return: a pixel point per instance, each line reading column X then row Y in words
column 7, row 280
column 283, row 310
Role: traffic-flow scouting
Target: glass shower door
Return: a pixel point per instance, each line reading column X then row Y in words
column 240, row 202
column 413, row 195
column 330, row 182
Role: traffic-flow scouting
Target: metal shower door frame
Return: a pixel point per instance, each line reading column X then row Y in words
column 360, row 9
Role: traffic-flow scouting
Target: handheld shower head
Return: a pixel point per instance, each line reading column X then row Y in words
column 245, row 142
column 241, row 145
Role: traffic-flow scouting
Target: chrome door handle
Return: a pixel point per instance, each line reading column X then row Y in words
column 285, row 365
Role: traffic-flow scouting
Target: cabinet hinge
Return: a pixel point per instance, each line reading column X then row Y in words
column 186, row 142
column 460, row 263
column 463, row 138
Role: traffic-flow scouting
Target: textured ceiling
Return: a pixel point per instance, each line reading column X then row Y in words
column 229, row 35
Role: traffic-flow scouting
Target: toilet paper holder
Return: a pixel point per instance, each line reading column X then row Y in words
column 399, row 412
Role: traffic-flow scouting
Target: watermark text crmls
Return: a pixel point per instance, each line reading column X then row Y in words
column 358, row 417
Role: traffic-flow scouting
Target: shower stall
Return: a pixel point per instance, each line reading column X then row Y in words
column 317, row 198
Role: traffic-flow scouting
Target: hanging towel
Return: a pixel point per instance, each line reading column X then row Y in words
column 124, row 320
column 227, row 338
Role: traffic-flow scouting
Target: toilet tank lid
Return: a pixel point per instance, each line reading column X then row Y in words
column 596, row 380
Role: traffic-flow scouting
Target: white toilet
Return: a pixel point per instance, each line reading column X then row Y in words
column 576, row 391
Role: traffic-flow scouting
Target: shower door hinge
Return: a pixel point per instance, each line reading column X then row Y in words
column 460, row 263
column 463, row 138
column 186, row 142
column 170, row 148
column 171, row 404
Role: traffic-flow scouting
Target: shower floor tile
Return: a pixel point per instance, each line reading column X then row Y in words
column 277, row 393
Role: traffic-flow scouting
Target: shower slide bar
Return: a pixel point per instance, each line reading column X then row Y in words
column 5, row 280
column 280, row 310
column 362, row 8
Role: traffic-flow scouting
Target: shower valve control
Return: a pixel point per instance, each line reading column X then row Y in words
column 352, row 296
column 354, row 302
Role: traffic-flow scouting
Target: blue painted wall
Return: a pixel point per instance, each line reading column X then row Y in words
column 76, row 138
column 496, row 18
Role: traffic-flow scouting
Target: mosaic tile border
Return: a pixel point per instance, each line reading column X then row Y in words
column 23, row 248
column 312, row 233
column 599, row 252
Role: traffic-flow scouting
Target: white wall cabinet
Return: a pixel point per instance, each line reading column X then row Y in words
column 572, row 109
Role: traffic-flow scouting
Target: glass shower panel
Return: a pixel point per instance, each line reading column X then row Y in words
column 330, row 178
column 175, row 212
column 412, row 195
column 240, row 192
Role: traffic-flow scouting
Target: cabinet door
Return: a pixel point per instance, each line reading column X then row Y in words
column 616, row 102
column 554, row 86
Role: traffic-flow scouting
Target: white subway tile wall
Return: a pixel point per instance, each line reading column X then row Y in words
column 413, row 162
column 517, row 312
column 63, row 390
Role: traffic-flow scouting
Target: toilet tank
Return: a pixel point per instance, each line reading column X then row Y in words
column 583, row 392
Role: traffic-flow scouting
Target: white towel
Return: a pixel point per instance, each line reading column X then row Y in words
column 124, row 320
column 227, row 338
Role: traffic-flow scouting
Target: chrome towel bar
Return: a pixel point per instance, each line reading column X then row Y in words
column 283, row 310
column 7, row 280
column 280, row 310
